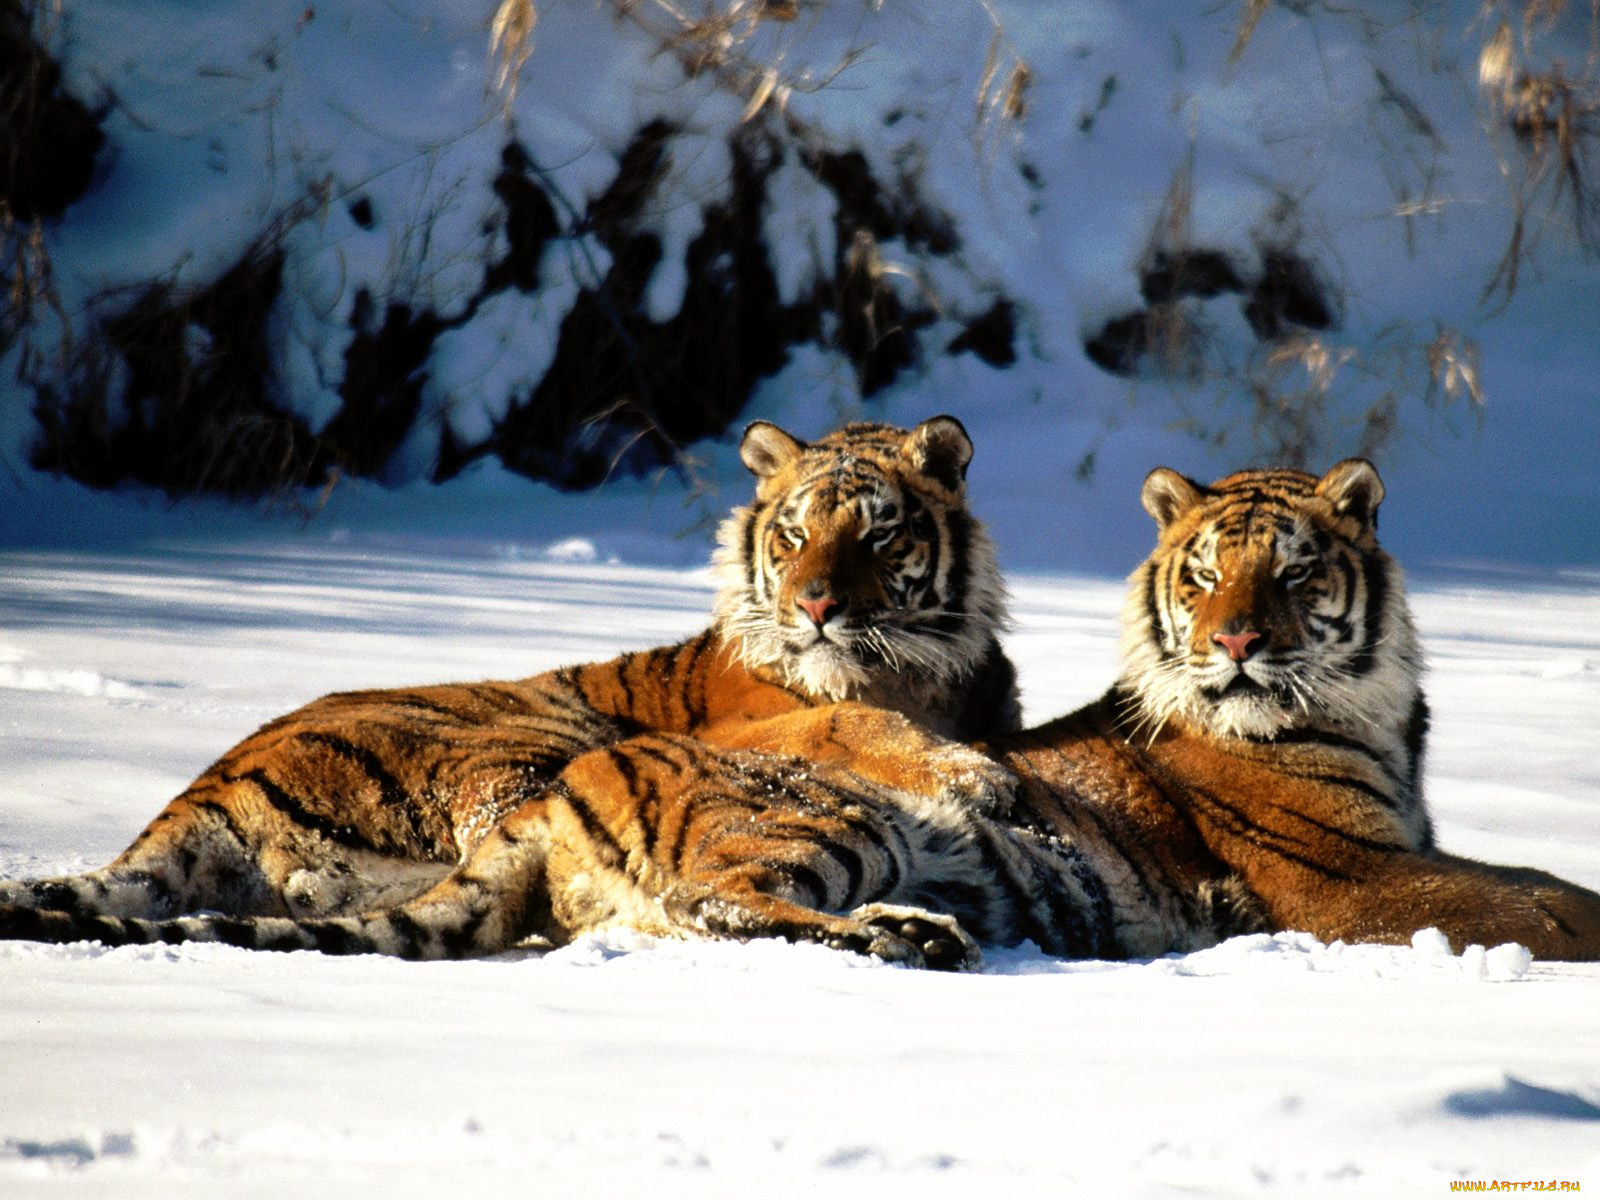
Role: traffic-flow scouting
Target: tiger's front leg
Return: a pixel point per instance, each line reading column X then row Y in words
column 669, row 835
column 732, row 905
column 884, row 747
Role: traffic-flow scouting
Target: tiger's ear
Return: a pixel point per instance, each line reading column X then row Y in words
column 1166, row 495
column 940, row 447
column 1354, row 490
column 765, row 448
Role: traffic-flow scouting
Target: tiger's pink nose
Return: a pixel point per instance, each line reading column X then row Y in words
column 1237, row 644
column 818, row 609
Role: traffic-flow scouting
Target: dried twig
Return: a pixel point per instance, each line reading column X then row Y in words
column 511, row 44
column 1546, row 106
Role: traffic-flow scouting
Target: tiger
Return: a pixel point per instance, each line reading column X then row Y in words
column 1271, row 699
column 674, row 836
column 1255, row 767
column 856, row 574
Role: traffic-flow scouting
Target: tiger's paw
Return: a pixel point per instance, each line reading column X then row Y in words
column 972, row 780
column 936, row 941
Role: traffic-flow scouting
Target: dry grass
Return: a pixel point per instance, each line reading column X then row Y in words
column 48, row 143
column 1173, row 332
column 752, row 49
column 174, row 388
column 1314, row 400
column 1002, row 93
column 25, row 276
column 1254, row 10
column 1454, row 370
column 511, row 43
column 1539, row 71
column 712, row 41
column 1370, row 18
column 1299, row 394
column 714, row 38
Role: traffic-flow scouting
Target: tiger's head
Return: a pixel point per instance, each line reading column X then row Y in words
column 1268, row 606
column 858, row 560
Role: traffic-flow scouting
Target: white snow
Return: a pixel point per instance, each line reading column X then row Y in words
column 1266, row 1066
column 139, row 639
column 227, row 119
column 78, row 683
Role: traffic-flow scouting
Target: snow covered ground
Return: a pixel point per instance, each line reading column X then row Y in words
column 1263, row 1067
column 138, row 640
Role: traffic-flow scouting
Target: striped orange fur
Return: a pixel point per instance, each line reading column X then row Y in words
column 363, row 800
column 1256, row 766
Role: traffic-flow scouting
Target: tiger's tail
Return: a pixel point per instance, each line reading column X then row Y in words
column 380, row 934
column 106, row 891
column 191, row 857
column 455, row 920
column 470, row 913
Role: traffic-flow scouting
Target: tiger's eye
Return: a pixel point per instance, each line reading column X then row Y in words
column 1204, row 576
